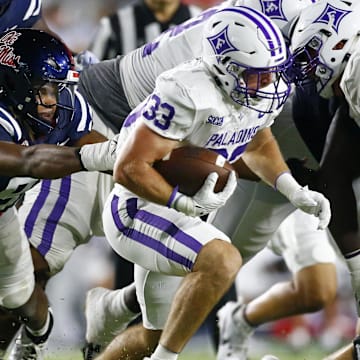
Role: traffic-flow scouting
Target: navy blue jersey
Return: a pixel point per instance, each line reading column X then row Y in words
column 312, row 115
column 20, row 13
column 70, row 127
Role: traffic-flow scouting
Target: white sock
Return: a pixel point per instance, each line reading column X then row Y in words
column 240, row 320
column 162, row 353
column 116, row 305
column 42, row 331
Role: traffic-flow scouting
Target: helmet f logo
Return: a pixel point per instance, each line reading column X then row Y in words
column 332, row 16
column 221, row 43
column 273, row 9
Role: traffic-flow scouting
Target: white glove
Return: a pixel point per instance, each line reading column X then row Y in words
column 99, row 156
column 311, row 202
column 205, row 200
column 84, row 59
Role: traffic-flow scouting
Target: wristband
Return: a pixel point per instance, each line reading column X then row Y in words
column 172, row 196
column 286, row 184
column 277, row 178
column 184, row 204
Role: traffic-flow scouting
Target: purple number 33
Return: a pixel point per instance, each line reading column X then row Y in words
column 160, row 113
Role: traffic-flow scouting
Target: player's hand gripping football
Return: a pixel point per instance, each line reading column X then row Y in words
column 205, row 200
column 311, row 202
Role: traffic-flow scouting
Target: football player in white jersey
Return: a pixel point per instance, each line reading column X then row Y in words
column 182, row 37
column 61, row 240
column 326, row 46
column 150, row 223
column 261, row 212
column 307, row 251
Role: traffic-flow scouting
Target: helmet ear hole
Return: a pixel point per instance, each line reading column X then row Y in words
column 225, row 59
column 215, row 24
column 340, row 45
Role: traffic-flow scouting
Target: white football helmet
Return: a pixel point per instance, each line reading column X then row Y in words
column 282, row 12
column 239, row 43
column 323, row 38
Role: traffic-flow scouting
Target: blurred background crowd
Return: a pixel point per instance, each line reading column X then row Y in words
column 76, row 21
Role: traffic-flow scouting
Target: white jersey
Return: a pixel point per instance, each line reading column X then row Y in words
column 140, row 68
column 179, row 110
column 350, row 85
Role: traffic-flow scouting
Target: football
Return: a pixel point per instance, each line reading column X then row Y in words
column 188, row 167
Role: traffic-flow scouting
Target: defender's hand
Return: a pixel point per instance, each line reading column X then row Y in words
column 85, row 59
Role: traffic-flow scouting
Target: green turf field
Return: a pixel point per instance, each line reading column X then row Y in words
column 313, row 355
column 284, row 352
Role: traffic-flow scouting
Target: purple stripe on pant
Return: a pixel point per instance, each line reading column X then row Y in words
column 54, row 216
column 38, row 204
column 160, row 223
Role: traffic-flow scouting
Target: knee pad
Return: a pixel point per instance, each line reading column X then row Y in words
column 155, row 293
column 18, row 295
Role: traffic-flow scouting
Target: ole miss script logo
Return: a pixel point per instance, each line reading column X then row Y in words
column 7, row 56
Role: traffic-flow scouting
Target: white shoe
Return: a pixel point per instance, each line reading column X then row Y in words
column 29, row 347
column 25, row 349
column 234, row 338
column 270, row 357
column 101, row 324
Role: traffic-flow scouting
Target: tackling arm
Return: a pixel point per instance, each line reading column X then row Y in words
column 46, row 161
column 38, row 161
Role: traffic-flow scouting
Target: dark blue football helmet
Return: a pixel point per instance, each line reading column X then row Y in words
column 30, row 59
